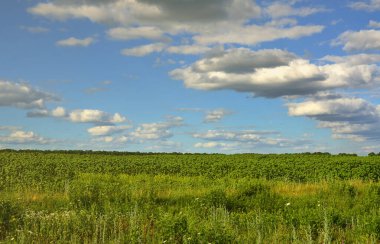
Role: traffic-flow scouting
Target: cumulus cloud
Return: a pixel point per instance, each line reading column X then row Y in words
column 210, row 116
column 242, row 136
column 244, row 140
column 348, row 117
column 106, row 130
column 188, row 49
column 359, row 40
column 23, row 137
column 156, row 131
column 22, row 95
column 213, row 144
column 179, row 49
column 216, row 115
column 274, row 73
column 114, row 140
column 356, row 59
column 58, row 112
column 94, row 116
column 374, row 24
column 282, row 9
column 169, row 14
column 146, row 32
column 166, row 146
column 143, row 50
column 254, row 34
column 335, row 108
column 39, row 113
column 9, row 128
column 75, row 42
column 207, row 20
column 371, row 5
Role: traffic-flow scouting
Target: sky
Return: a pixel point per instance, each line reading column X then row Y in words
column 216, row 76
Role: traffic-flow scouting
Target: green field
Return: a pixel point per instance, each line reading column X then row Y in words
column 105, row 197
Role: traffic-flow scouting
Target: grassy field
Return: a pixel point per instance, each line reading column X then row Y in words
column 93, row 197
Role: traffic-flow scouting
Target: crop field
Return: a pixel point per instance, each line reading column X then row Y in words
column 113, row 197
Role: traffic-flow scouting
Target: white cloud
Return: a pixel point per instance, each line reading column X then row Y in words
column 143, row 50
column 242, row 136
column 9, row 128
column 23, row 137
column 156, row 131
column 348, row 117
column 374, row 24
column 335, row 108
column 216, row 115
column 75, row 42
column 371, row 5
column 207, row 20
column 147, row 32
column 39, row 113
column 165, row 146
column 66, row 11
column 356, row 59
column 372, row 148
column 170, row 15
column 106, row 130
column 283, row 22
column 275, row 73
column 188, row 49
column 94, row 116
column 83, row 116
column 214, row 144
column 281, row 9
column 255, row 34
column 359, row 40
column 113, row 140
column 245, row 140
column 22, row 95
column 58, row 112
column 189, row 109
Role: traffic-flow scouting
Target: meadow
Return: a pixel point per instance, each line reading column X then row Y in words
column 115, row 197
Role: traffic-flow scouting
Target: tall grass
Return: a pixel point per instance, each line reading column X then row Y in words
column 104, row 208
column 93, row 197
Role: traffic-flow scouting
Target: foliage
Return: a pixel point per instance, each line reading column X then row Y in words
column 94, row 197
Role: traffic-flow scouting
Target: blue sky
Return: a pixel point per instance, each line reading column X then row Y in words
column 227, row 76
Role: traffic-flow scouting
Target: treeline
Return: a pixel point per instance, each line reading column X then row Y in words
column 159, row 153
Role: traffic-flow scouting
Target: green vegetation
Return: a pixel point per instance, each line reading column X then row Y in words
column 102, row 197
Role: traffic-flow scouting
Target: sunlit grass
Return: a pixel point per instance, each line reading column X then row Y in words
column 77, row 203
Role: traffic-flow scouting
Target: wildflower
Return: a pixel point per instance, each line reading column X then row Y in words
column 287, row 204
